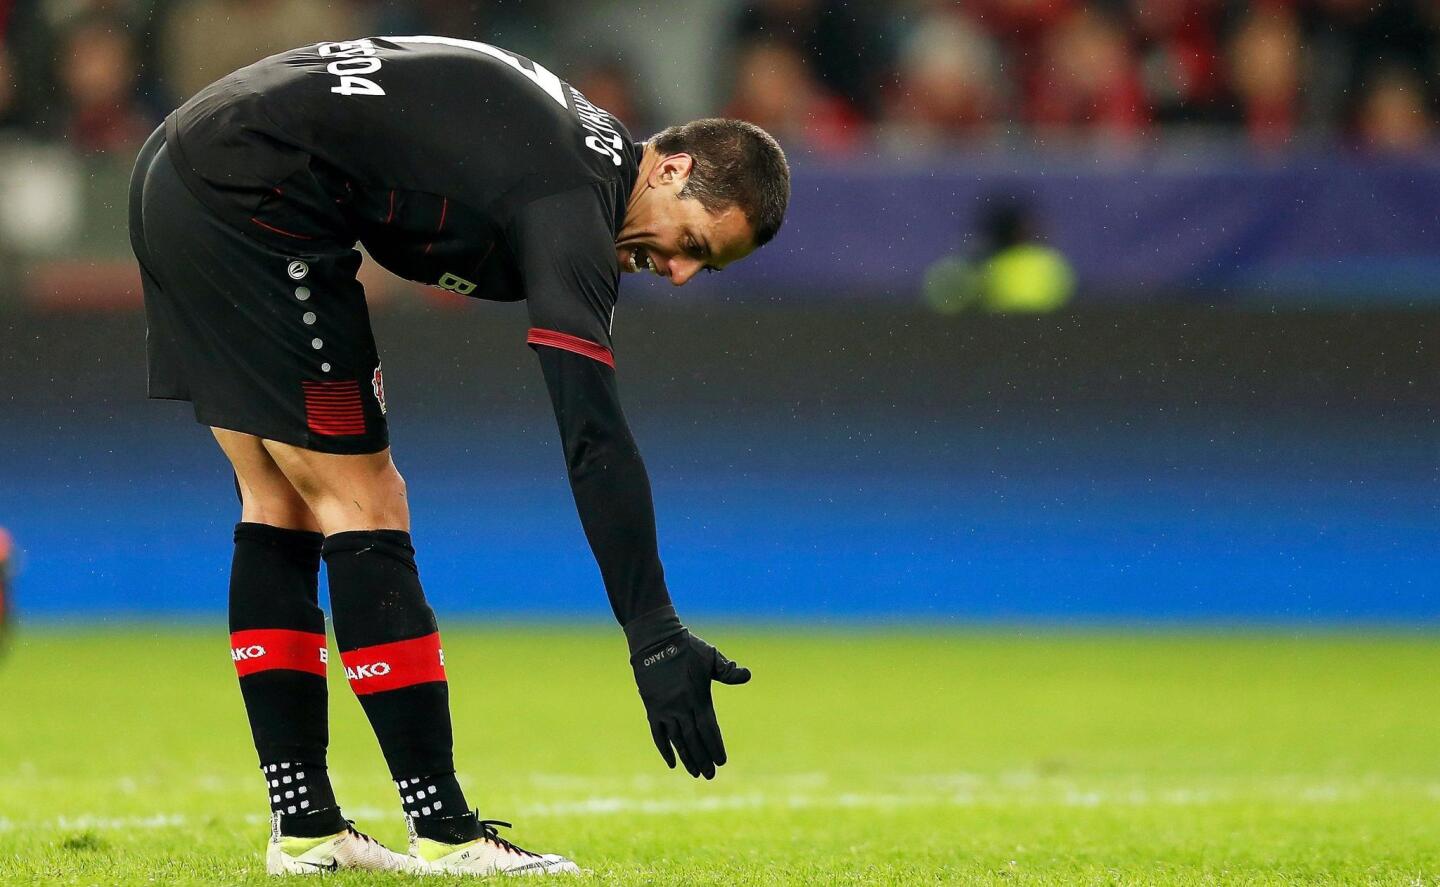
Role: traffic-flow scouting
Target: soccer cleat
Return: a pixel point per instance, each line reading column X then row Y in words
column 342, row 851
column 489, row 854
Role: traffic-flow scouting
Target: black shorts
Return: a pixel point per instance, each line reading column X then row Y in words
column 265, row 339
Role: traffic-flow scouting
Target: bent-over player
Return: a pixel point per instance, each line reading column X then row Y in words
column 468, row 167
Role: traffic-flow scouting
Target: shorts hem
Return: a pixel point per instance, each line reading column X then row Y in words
column 315, row 443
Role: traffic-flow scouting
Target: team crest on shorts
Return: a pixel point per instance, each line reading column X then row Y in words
column 377, row 383
column 297, row 269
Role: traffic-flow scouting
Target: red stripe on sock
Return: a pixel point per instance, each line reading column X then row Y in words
column 567, row 342
column 266, row 649
column 392, row 666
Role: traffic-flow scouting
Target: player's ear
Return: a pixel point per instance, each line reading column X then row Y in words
column 672, row 169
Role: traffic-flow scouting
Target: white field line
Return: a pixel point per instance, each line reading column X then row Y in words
column 611, row 805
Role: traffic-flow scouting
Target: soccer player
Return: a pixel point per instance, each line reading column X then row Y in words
column 470, row 168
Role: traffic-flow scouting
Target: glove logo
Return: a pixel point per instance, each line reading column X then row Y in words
column 662, row 655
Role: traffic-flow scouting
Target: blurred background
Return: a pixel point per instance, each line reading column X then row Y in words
column 1083, row 311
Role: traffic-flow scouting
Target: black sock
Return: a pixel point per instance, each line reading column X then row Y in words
column 436, row 808
column 277, row 642
column 302, row 795
column 391, row 649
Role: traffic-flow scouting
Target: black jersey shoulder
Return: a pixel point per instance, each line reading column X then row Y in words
column 479, row 125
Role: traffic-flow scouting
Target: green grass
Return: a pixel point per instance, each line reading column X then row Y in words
column 857, row 757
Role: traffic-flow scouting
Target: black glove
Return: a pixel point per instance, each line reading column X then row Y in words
column 674, row 676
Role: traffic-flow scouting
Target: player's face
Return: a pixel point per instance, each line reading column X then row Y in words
column 676, row 237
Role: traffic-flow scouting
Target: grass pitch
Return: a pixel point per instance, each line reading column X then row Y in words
column 857, row 757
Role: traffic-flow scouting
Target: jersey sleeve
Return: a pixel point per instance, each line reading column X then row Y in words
column 608, row 480
column 565, row 250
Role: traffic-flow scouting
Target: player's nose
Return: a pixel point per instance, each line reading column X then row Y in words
column 681, row 270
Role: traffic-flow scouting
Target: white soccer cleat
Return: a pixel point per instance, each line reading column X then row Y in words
column 343, row 851
column 489, row 854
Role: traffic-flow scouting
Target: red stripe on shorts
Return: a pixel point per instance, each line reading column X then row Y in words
column 334, row 408
column 567, row 342
column 266, row 649
column 392, row 666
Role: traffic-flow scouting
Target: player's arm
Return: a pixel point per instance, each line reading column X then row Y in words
column 570, row 280
column 610, row 485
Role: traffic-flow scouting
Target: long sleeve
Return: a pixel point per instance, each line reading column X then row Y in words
column 566, row 254
column 608, row 479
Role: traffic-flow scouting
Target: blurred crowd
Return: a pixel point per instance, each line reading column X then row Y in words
column 831, row 77
column 1274, row 73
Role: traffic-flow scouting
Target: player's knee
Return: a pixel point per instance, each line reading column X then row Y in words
column 398, row 489
column 371, row 500
column 393, row 499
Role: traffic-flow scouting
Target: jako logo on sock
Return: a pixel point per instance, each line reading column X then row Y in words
column 398, row 664
column 361, row 672
column 268, row 649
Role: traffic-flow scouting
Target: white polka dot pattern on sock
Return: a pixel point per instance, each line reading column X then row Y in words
column 418, row 795
column 290, row 799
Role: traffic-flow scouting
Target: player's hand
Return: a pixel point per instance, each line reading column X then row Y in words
column 674, row 680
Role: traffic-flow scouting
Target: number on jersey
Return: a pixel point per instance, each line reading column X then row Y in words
column 353, row 59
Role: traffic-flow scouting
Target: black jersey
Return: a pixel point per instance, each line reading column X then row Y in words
column 467, row 167
column 456, row 164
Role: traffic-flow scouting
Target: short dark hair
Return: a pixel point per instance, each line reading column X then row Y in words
column 735, row 164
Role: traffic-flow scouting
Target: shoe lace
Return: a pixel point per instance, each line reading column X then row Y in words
column 491, row 834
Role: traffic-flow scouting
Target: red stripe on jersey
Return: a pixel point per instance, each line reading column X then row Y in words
column 391, row 215
column 282, row 230
column 444, row 206
column 395, row 665
column 567, row 342
column 266, row 649
column 334, row 408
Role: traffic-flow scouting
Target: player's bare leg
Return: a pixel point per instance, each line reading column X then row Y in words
column 391, row 650
column 266, row 496
column 344, row 493
column 277, row 633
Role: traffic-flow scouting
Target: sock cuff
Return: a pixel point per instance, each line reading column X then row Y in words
column 302, row 543
column 394, row 543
